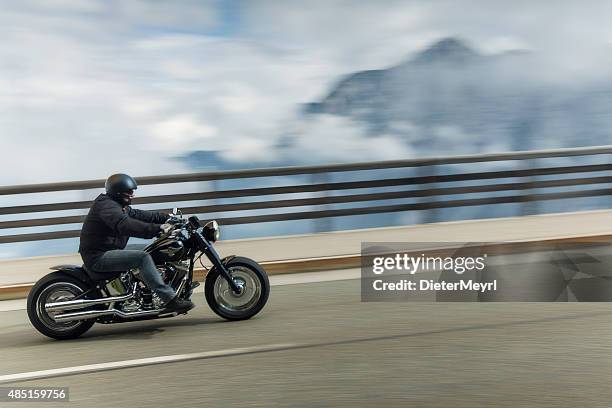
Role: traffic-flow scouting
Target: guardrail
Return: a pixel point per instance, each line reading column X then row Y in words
column 426, row 183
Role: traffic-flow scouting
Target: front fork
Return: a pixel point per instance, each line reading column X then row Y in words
column 214, row 257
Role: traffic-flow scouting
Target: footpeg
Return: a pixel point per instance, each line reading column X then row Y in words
column 195, row 285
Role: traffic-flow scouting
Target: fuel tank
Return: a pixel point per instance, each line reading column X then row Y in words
column 166, row 250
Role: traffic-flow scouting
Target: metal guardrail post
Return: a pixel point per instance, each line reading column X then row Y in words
column 214, row 184
column 530, row 207
column 322, row 224
column 429, row 215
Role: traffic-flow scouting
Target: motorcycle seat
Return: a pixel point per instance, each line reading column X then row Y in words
column 100, row 276
column 88, row 274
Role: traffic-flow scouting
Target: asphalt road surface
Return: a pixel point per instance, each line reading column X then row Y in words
column 317, row 345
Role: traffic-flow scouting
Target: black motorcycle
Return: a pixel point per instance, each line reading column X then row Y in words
column 66, row 303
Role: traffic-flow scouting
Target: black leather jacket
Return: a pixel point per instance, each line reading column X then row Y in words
column 109, row 225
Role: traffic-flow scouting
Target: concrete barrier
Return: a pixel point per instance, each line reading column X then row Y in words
column 340, row 250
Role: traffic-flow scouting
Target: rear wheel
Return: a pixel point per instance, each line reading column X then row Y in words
column 254, row 284
column 57, row 289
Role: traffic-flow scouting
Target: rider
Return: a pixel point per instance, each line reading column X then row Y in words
column 106, row 230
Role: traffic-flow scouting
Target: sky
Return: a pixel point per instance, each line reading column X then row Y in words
column 90, row 88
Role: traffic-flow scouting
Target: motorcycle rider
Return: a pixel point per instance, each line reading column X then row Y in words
column 111, row 221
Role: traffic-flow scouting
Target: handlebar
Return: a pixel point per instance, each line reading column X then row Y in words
column 179, row 222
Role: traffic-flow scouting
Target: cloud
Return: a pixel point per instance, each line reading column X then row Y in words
column 501, row 44
column 98, row 85
column 329, row 138
column 186, row 15
column 180, row 131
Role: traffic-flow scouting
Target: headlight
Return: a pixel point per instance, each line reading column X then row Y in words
column 211, row 231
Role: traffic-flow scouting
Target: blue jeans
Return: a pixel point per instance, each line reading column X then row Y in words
column 121, row 260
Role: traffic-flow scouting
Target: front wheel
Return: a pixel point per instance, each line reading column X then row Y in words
column 254, row 284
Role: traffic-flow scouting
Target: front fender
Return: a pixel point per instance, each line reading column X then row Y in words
column 235, row 259
column 227, row 259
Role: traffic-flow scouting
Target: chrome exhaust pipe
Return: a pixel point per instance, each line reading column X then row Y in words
column 83, row 303
column 94, row 314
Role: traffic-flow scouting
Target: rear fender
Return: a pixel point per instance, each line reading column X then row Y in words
column 73, row 271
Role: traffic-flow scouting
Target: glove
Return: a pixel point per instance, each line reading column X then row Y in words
column 173, row 220
column 166, row 228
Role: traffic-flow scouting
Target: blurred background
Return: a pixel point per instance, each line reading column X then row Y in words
column 91, row 88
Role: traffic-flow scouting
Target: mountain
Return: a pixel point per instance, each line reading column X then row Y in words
column 203, row 160
column 371, row 89
column 446, row 51
column 450, row 99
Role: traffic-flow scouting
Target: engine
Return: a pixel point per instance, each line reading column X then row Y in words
column 170, row 272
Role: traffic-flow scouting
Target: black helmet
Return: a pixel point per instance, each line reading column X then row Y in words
column 120, row 187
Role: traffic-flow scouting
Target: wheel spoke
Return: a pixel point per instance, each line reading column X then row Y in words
column 246, row 299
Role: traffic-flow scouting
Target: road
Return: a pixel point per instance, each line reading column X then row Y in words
column 334, row 350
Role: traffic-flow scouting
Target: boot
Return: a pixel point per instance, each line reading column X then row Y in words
column 179, row 305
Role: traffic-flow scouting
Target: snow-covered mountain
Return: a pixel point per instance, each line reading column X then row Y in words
column 450, row 99
column 444, row 100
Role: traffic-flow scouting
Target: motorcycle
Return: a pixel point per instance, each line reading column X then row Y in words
column 66, row 303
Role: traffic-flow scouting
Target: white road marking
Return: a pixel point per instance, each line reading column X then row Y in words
column 275, row 280
column 61, row 372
